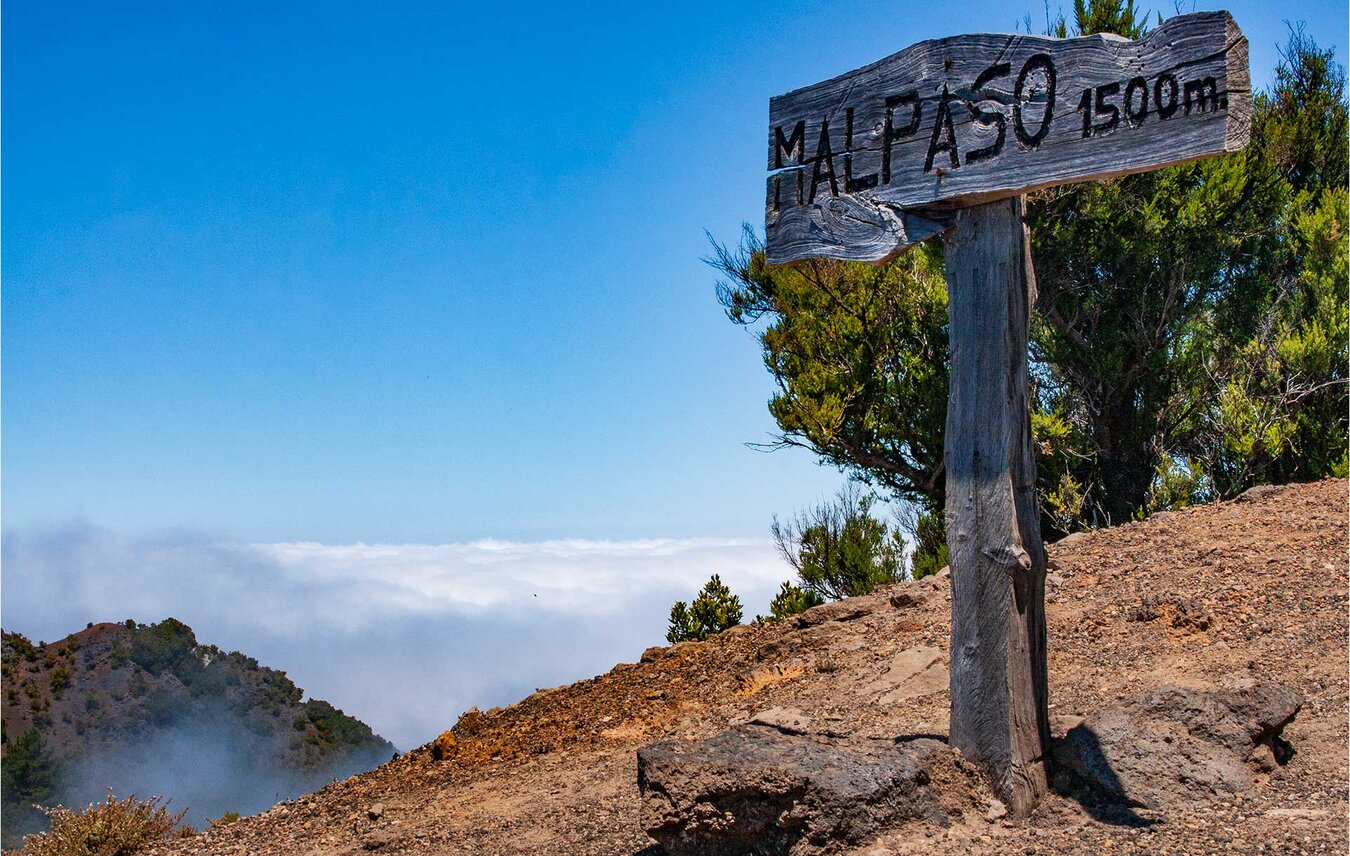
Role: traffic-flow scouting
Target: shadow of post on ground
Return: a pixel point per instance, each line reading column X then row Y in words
column 1103, row 795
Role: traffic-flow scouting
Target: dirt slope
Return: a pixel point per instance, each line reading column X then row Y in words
column 1250, row 588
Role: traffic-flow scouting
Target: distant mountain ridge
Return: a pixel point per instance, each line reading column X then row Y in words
column 140, row 707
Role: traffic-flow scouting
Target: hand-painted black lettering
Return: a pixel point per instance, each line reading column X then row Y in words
column 1136, row 100
column 1046, row 66
column 824, row 155
column 944, row 136
column 890, row 133
column 798, row 177
column 862, row 182
column 1195, row 93
column 993, row 72
column 989, row 118
column 1085, row 107
column 1102, row 107
column 787, row 145
column 1165, row 107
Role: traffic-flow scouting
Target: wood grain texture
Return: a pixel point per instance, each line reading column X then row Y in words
column 872, row 231
column 969, row 119
column 998, row 648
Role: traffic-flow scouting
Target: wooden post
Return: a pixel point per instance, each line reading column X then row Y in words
column 947, row 136
column 998, row 656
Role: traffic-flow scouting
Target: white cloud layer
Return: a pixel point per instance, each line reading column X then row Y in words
column 404, row 636
column 574, row 577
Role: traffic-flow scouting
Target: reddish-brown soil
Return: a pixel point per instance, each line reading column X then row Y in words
column 1201, row 597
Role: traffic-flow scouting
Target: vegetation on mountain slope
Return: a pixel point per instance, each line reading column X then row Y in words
column 120, row 705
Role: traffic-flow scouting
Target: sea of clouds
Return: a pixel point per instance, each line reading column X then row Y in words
column 403, row 636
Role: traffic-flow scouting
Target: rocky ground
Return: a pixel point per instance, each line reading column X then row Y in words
column 1222, row 596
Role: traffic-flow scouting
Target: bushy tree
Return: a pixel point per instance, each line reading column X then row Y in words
column 1278, row 369
column 28, row 777
column 838, row 549
column 846, row 343
column 1188, row 338
column 930, row 547
column 714, row 610
column 1182, row 340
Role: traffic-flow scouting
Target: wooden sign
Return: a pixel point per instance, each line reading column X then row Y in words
column 947, row 136
column 870, row 162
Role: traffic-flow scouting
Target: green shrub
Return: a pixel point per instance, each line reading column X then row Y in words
column 930, row 547
column 21, row 646
column 226, row 819
column 838, row 549
column 60, row 679
column 714, row 610
column 681, row 625
column 166, row 646
column 111, row 828
column 28, row 773
column 792, row 600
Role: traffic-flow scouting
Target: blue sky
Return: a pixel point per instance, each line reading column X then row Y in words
column 278, row 279
column 408, row 273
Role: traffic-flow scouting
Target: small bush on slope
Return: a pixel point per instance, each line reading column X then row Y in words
column 110, row 828
column 714, row 610
column 792, row 600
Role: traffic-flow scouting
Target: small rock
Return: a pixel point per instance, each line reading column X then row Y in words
column 786, row 719
column 848, row 609
column 996, row 811
column 1191, row 612
column 905, row 600
column 651, row 655
column 912, row 673
column 1263, row 758
column 376, row 811
column 378, row 839
column 1298, row 813
column 443, row 747
column 1258, row 493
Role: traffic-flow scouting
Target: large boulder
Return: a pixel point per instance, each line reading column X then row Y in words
column 759, row 789
column 1177, row 742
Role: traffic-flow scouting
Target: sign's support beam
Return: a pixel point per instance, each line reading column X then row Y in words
column 999, row 713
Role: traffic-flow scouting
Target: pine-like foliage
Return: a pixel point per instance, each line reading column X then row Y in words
column 792, row 600
column 714, row 610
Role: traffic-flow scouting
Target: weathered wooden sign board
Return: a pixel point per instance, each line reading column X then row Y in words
column 866, row 164
column 947, row 136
